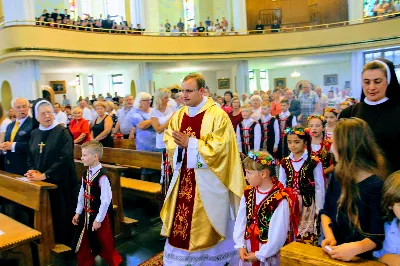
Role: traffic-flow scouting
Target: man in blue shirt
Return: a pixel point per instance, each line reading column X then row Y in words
column 180, row 25
column 124, row 124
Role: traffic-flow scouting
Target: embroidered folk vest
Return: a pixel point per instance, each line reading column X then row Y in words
column 260, row 215
column 303, row 180
column 323, row 153
column 268, row 134
column 247, row 136
column 287, row 122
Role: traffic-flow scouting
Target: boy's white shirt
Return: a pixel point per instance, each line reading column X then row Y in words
column 279, row 228
column 105, row 196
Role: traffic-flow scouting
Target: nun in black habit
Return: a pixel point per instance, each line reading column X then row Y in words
column 50, row 159
column 380, row 108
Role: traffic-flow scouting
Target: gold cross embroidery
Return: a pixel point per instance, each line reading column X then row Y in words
column 189, row 132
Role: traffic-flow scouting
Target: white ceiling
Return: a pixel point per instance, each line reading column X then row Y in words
column 115, row 66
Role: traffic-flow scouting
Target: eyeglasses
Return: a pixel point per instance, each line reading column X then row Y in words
column 146, row 100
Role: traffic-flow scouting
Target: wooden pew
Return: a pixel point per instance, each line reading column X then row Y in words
column 33, row 195
column 132, row 159
column 114, row 175
column 17, row 238
column 129, row 144
column 302, row 255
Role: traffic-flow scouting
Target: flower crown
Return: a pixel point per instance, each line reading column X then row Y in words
column 352, row 101
column 269, row 161
column 331, row 110
column 345, row 103
column 296, row 131
column 320, row 117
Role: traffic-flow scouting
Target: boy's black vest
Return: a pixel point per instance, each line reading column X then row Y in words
column 288, row 123
column 283, row 149
column 247, row 141
column 268, row 134
column 91, row 206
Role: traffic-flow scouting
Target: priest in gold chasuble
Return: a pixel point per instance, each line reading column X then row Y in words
column 204, row 194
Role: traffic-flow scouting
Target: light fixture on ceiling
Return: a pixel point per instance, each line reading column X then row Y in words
column 295, row 74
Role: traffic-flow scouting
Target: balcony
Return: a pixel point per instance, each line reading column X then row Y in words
column 40, row 42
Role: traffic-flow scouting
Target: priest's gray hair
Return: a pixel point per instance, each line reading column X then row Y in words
column 141, row 96
column 42, row 103
column 13, row 102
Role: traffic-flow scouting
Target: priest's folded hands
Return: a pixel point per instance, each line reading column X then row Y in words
column 182, row 140
column 34, row 175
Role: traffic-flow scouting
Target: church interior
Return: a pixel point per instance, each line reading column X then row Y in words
column 79, row 56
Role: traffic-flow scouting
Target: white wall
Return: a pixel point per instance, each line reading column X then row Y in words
column 313, row 73
column 72, row 94
column 21, row 78
column 164, row 80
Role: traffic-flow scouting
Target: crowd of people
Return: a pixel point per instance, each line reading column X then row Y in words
column 321, row 172
column 87, row 23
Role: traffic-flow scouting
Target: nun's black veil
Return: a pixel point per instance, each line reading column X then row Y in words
column 393, row 89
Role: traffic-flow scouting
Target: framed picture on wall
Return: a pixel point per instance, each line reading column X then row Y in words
column 59, row 86
column 330, row 80
column 223, row 84
column 279, row 83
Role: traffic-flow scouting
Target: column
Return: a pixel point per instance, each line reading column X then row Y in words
column 145, row 81
column 84, row 87
column 150, row 16
column 258, row 78
column 356, row 10
column 28, row 86
column 242, row 77
column 136, row 12
column 18, row 10
column 357, row 64
column 239, row 20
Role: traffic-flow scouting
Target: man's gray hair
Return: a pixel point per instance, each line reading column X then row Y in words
column 13, row 102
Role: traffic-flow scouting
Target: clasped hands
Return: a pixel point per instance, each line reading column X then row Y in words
column 343, row 252
column 34, row 175
column 6, row 146
column 245, row 256
column 182, row 140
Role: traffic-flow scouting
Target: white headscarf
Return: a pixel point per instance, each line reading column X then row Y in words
column 388, row 75
column 44, row 102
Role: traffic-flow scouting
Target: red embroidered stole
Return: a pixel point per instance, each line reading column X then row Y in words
column 180, row 236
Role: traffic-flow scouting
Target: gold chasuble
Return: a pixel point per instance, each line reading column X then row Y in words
column 205, row 191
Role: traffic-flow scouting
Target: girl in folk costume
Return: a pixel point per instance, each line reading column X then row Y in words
column 320, row 147
column 303, row 173
column 248, row 132
column 331, row 118
column 285, row 120
column 264, row 218
column 269, row 129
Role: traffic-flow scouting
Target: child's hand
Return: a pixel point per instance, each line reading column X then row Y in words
column 242, row 253
column 75, row 219
column 344, row 252
column 331, row 242
column 275, row 150
column 251, row 257
column 96, row 225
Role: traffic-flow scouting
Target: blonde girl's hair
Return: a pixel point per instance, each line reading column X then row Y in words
column 357, row 151
column 159, row 95
column 250, row 164
column 390, row 195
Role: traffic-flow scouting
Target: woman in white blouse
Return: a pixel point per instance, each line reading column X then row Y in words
column 160, row 116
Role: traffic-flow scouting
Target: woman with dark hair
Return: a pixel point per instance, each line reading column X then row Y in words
column 380, row 107
column 236, row 114
column 227, row 107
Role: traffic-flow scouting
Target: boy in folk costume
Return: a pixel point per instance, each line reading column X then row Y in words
column 94, row 211
column 270, row 130
column 264, row 217
column 248, row 132
column 285, row 120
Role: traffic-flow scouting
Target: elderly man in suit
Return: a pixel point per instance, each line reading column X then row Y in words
column 17, row 138
column 295, row 106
